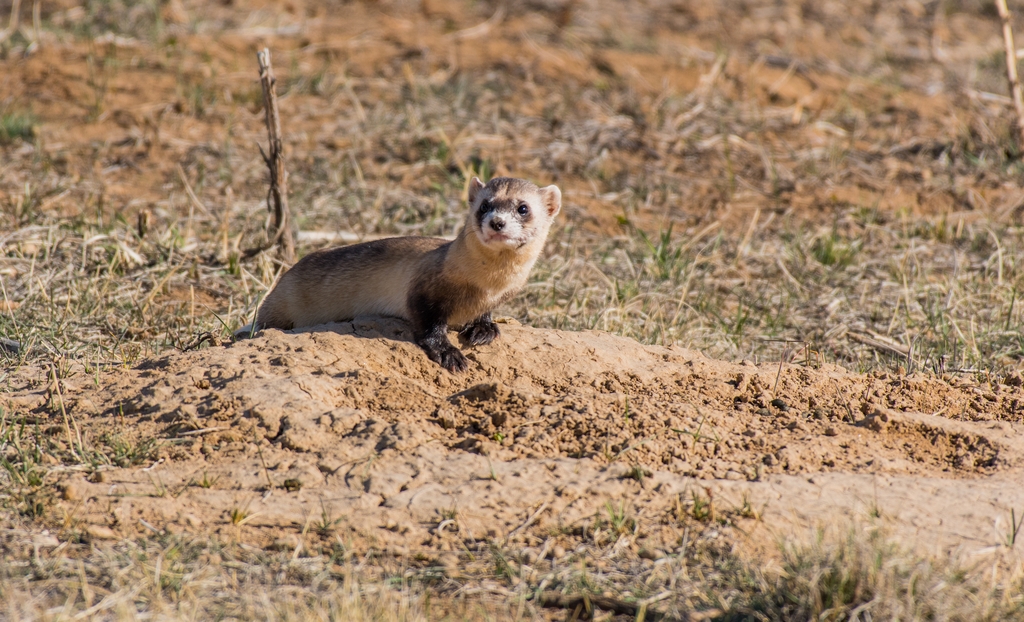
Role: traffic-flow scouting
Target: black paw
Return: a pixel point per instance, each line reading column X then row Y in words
column 480, row 332
column 446, row 355
column 451, row 358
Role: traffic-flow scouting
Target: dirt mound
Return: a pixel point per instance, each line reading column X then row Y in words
column 545, row 429
column 346, row 389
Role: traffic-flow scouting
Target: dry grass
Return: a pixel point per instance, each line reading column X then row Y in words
column 711, row 202
column 173, row 578
column 838, row 575
column 738, row 232
column 947, row 302
column 865, row 576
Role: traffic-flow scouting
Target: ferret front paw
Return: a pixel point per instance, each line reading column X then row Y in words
column 480, row 332
column 452, row 359
column 446, row 355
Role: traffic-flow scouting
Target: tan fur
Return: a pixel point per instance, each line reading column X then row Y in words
column 328, row 285
column 377, row 278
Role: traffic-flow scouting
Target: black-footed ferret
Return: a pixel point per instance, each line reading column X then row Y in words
column 431, row 282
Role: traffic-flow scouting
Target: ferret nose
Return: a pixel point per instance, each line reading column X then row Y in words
column 497, row 224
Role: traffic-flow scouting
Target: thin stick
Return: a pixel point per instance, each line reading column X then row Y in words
column 277, row 198
column 1011, row 69
column 64, row 413
column 190, row 192
column 36, row 20
column 881, row 346
column 12, row 26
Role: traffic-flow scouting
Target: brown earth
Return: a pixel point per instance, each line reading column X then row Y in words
column 543, row 431
column 749, row 120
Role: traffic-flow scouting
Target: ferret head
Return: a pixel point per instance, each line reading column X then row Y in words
column 508, row 213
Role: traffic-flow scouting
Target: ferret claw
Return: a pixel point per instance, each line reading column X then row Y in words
column 480, row 332
column 452, row 359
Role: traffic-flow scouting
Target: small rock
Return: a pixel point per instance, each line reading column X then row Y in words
column 26, row 402
column 557, row 552
column 831, row 431
column 780, row 404
column 879, row 420
column 734, row 475
column 300, row 434
column 73, row 491
column 344, row 420
column 99, row 532
column 45, row 540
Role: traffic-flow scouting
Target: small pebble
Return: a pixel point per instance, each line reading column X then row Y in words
column 99, row 532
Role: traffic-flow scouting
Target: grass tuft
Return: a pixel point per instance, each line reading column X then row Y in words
column 16, row 126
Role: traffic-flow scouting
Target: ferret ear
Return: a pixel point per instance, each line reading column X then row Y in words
column 475, row 186
column 551, row 196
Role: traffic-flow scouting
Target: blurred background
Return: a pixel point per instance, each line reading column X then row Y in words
column 818, row 181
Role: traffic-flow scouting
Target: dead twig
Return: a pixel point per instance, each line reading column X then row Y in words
column 200, row 340
column 1011, row 69
column 191, row 193
column 203, row 431
column 480, row 29
column 583, row 605
column 12, row 26
column 882, row 346
column 277, row 196
column 529, row 521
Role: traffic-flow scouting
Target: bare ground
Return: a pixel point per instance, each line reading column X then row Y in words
column 350, row 427
column 798, row 225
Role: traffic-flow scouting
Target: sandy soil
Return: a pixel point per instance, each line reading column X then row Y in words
column 543, row 431
column 754, row 121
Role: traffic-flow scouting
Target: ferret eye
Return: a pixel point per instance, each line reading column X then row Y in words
column 524, row 209
column 485, row 206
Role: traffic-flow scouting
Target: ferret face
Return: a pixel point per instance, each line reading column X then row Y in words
column 508, row 213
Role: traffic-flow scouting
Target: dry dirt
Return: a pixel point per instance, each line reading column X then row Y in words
column 542, row 432
column 745, row 126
